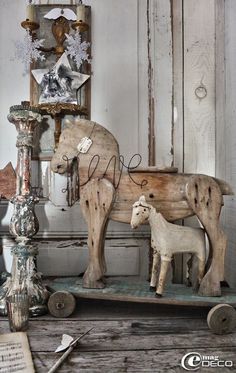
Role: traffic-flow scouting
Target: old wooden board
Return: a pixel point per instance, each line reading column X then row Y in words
column 125, row 361
column 126, row 337
column 136, row 290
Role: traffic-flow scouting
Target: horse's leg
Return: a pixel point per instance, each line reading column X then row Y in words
column 162, row 276
column 205, row 198
column 96, row 201
column 103, row 259
column 155, row 270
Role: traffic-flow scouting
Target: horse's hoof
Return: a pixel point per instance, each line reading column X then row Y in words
column 158, row 295
column 188, row 284
column 152, row 288
column 104, row 280
column 94, row 284
column 195, row 288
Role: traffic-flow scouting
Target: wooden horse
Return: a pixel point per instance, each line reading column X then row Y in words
column 168, row 239
column 106, row 192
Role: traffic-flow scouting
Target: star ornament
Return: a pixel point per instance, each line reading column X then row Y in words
column 59, row 83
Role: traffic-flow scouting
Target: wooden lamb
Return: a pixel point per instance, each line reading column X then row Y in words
column 166, row 240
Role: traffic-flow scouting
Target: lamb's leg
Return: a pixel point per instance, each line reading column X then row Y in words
column 162, row 276
column 155, row 269
column 189, row 271
column 201, row 269
column 96, row 203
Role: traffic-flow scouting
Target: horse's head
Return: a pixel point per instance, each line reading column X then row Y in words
column 140, row 213
column 67, row 146
column 104, row 145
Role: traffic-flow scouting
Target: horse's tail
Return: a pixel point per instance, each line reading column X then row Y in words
column 224, row 187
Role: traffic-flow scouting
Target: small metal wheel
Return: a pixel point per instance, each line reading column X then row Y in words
column 61, row 304
column 221, row 319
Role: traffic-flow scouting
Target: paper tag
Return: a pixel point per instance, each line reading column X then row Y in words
column 84, row 145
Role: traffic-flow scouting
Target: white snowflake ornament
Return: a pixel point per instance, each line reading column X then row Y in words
column 28, row 51
column 77, row 49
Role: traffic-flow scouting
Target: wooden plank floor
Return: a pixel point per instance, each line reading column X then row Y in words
column 127, row 337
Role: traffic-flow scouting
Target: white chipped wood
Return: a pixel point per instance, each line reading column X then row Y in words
column 178, row 125
column 160, row 81
column 143, row 103
column 178, row 112
column 227, row 149
column 199, row 86
column 166, row 240
column 69, row 257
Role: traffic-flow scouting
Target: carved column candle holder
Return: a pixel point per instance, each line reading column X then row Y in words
column 24, row 223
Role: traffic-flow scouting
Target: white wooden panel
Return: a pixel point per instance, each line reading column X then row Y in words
column 63, row 221
column 70, row 258
column 220, row 90
column 227, row 154
column 199, row 73
column 142, row 82
column 178, row 138
column 161, row 84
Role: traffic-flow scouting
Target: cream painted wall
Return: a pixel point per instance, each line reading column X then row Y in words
column 14, row 85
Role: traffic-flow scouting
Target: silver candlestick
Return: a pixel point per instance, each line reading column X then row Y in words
column 24, row 223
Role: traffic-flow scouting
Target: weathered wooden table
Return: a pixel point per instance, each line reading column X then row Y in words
column 127, row 337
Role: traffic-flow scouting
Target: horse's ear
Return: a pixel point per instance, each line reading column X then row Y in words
column 67, row 123
column 142, row 199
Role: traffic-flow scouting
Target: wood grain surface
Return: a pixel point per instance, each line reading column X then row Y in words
column 126, row 338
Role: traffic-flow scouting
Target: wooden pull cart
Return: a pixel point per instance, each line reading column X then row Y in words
column 221, row 318
column 109, row 189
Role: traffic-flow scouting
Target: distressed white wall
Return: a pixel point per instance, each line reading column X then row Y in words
column 14, row 86
column 199, row 86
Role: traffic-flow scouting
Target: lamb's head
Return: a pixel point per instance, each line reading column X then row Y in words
column 140, row 212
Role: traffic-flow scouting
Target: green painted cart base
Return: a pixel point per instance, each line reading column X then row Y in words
column 136, row 290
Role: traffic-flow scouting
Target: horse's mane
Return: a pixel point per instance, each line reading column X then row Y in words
column 98, row 133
